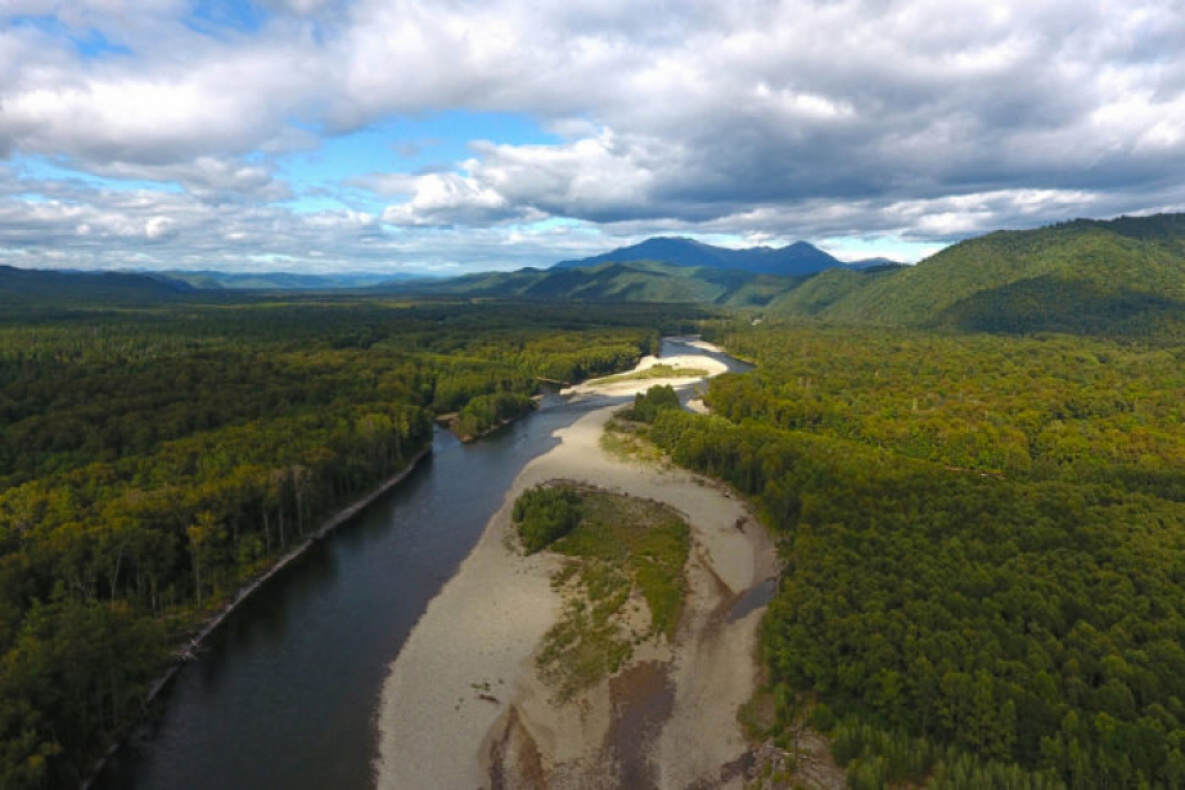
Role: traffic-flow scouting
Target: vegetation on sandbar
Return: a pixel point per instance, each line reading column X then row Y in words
column 659, row 371
column 623, row 582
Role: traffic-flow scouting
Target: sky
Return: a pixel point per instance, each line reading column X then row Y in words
column 452, row 135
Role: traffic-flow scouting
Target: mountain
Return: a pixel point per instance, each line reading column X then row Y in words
column 796, row 259
column 638, row 281
column 1122, row 277
column 819, row 292
column 276, row 281
column 20, row 285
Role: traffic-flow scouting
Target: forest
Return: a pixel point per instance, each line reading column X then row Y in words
column 984, row 540
column 983, row 534
column 155, row 457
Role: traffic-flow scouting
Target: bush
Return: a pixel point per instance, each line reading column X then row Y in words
column 656, row 399
column 544, row 515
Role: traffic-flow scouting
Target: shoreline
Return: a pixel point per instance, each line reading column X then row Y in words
column 463, row 705
column 210, row 624
column 320, row 533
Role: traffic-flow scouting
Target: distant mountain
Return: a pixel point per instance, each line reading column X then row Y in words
column 638, row 281
column 276, row 281
column 24, row 284
column 1120, row 277
column 794, row 260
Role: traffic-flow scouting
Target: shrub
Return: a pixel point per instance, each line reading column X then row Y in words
column 543, row 515
column 647, row 406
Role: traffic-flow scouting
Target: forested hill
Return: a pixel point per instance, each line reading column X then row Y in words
column 639, row 281
column 275, row 281
column 23, row 284
column 795, row 259
column 1122, row 277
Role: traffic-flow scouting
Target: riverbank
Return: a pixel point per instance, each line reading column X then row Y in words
column 320, row 533
column 463, row 705
column 209, row 625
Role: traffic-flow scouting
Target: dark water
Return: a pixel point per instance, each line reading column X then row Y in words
column 753, row 599
column 284, row 695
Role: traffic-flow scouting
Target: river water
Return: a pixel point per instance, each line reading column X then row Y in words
column 284, row 694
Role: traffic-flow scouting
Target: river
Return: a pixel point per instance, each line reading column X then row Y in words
column 284, row 694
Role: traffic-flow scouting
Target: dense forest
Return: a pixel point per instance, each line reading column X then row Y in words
column 157, row 456
column 984, row 534
column 985, row 547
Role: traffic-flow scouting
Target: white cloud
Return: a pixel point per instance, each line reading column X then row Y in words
column 921, row 119
column 207, row 177
column 159, row 228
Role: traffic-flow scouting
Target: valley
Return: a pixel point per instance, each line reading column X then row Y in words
column 965, row 477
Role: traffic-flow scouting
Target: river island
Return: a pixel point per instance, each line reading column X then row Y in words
column 465, row 704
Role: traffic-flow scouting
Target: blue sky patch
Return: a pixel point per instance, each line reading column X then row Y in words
column 325, row 178
column 90, row 43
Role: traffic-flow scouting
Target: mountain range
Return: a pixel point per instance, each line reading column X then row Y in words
column 20, row 284
column 1123, row 277
column 793, row 260
column 635, row 281
column 276, row 281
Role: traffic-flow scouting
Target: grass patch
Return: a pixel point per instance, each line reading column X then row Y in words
column 624, row 442
column 622, row 550
column 659, row 371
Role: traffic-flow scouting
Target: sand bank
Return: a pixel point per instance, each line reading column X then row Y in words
column 463, row 707
column 615, row 386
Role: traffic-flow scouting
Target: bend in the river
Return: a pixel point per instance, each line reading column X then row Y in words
column 284, row 693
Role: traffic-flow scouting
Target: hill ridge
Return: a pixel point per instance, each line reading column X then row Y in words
column 1123, row 276
column 796, row 259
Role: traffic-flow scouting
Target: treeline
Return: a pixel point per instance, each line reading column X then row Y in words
column 154, row 460
column 985, row 547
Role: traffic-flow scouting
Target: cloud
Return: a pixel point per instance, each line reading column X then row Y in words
column 775, row 105
column 450, row 199
column 208, row 178
column 159, row 228
column 916, row 119
column 598, row 179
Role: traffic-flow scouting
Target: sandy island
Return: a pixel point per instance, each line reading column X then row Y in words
column 463, row 706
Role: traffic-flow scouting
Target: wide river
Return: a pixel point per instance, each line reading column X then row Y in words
column 284, row 694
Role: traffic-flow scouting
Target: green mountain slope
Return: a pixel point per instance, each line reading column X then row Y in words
column 1126, row 277
column 274, row 281
column 638, row 281
column 27, row 286
column 797, row 259
column 820, row 292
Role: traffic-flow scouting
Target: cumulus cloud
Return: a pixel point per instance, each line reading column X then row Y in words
column 159, row 228
column 916, row 119
column 449, row 199
column 775, row 105
column 208, row 178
